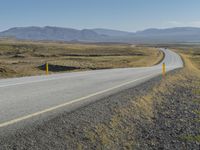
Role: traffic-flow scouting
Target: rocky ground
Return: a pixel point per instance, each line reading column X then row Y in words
column 175, row 124
column 158, row 114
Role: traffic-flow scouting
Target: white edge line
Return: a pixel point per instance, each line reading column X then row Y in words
column 51, row 78
column 42, row 80
column 68, row 103
column 55, row 77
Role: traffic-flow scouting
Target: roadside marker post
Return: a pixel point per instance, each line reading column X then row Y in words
column 163, row 69
column 47, row 68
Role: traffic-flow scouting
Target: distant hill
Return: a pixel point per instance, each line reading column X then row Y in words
column 170, row 31
column 178, row 34
column 51, row 33
column 110, row 32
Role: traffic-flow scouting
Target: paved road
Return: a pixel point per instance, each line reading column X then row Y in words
column 35, row 98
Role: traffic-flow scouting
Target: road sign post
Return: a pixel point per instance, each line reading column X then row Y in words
column 47, row 68
column 163, row 69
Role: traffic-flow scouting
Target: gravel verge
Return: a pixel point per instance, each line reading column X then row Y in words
column 137, row 118
column 176, row 121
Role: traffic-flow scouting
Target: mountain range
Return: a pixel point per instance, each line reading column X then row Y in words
column 170, row 35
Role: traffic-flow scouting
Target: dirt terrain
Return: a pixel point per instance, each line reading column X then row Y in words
column 19, row 58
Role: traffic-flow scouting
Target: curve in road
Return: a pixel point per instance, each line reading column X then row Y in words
column 22, row 99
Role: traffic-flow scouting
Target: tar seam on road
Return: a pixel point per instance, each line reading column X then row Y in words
column 11, row 122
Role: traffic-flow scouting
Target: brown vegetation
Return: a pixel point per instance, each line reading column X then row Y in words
column 18, row 58
column 122, row 129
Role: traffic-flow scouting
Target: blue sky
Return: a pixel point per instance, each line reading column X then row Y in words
column 128, row 15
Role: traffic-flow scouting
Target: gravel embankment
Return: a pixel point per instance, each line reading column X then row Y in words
column 121, row 121
column 176, row 124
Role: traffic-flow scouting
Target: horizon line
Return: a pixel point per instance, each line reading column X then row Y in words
column 158, row 28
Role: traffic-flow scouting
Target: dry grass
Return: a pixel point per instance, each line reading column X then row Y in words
column 121, row 130
column 18, row 58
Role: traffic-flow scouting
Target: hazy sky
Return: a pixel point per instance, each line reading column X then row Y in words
column 130, row 15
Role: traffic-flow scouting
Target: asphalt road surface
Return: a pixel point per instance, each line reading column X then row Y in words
column 28, row 100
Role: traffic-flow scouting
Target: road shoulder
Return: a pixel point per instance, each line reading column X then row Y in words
column 161, row 113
